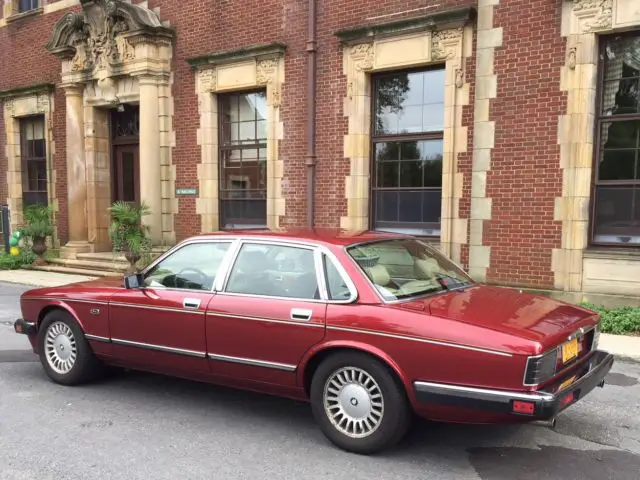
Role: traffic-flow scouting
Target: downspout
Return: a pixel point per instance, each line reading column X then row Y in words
column 310, row 160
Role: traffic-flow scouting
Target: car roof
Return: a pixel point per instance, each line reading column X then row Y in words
column 327, row 236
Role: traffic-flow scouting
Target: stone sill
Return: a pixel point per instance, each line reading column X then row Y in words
column 612, row 253
column 29, row 13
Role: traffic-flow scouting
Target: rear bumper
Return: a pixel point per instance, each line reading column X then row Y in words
column 24, row 327
column 547, row 403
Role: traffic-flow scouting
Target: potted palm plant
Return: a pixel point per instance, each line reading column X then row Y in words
column 38, row 226
column 128, row 233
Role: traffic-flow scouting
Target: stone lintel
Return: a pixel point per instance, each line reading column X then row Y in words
column 447, row 19
column 238, row 55
column 28, row 90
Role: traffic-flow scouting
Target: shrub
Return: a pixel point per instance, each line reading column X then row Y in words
column 10, row 262
column 621, row 320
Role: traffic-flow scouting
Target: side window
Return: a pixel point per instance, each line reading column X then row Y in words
column 192, row 267
column 274, row 271
column 336, row 286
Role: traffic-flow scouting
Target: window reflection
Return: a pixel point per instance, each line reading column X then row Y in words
column 243, row 160
column 617, row 189
column 408, row 151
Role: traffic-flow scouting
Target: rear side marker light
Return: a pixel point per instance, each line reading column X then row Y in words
column 524, row 408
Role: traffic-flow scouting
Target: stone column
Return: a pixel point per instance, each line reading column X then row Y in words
column 150, row 172
column 76, row 174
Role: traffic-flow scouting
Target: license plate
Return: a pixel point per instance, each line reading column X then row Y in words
column 570, row 350
column 567, row 382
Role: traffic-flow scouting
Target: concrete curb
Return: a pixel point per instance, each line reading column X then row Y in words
column 623, row 347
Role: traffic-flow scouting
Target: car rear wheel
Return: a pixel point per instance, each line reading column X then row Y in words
column 65, row 354
column 358, row 403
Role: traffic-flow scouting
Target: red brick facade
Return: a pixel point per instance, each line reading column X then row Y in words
column 524, row 180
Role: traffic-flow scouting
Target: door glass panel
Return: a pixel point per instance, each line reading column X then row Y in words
column 274, row 271
column 192, row 267
column 128, row 178
column 336, row 286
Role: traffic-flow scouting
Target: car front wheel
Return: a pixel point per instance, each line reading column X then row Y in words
column 358, row 403
column 65, row 354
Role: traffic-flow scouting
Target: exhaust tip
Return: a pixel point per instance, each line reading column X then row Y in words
column 551, row 424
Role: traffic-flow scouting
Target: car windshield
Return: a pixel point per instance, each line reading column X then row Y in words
column 407, row 267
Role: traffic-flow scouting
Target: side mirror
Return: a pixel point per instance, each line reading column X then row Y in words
column 133, row 281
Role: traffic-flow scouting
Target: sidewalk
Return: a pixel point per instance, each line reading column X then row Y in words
column 622, row 346
column 36, row 278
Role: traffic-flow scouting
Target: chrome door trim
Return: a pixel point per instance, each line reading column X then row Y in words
column 266, row 320
column 285, row 367
column 159, row 348
column 97, row 338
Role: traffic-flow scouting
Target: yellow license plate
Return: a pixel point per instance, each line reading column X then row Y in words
column 570, row 350
column 567, row 382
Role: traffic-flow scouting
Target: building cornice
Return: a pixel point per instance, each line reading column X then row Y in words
column 434, row 21
column 28, row 90
column 239, row 54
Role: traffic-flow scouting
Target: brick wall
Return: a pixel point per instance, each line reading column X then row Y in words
column 525, row 174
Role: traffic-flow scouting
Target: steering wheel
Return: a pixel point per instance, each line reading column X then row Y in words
column 203, row 277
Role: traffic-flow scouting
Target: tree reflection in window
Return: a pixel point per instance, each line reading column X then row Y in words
column 617, row 182
column 408, row 124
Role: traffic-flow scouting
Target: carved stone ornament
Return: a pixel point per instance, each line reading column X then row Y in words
column 208, row 80
column 95, row 39
column 265, row 70
column 571, row 58
column 441, row 39
column 459, row 78
column 362, row 55
column 9, row 106
column 276, row 98
column 599, row 13
column 42, row 103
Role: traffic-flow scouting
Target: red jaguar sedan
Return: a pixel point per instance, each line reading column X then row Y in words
column 369, row 328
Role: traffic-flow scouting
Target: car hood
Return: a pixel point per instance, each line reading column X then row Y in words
column 533, row 317
column 100, row 287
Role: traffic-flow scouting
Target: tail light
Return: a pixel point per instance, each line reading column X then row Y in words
column 541, row 368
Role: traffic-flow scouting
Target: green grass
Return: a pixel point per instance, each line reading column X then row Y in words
column 619, row 321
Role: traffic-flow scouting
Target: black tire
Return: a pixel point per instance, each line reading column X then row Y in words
column 396, row 416
column 86, row 367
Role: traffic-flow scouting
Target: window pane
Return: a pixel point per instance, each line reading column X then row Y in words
column 192, row 267
column 617, row 218
column 274, row 271
column 620, row 142
column 246, row 213
column 621, row 89
column 409, row 102
column 408, row 206
column 336, row 286
column 243, row 117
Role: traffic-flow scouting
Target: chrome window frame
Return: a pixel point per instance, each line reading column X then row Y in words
column 180, row 246
column 221, row 284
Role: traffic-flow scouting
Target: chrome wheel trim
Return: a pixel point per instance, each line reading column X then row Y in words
column 353, row 402
column 60, row 348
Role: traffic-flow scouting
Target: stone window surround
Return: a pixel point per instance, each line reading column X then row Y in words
column 583, row 21
column 18, row 103
column 11, row 14
column 441, row 38
column 251, row 68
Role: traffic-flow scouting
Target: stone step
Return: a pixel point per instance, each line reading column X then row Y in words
column 111, row 257
column 91, row 265
column 77, row 271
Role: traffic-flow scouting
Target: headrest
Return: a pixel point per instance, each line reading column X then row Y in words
column 378, row 274
column 425, row 269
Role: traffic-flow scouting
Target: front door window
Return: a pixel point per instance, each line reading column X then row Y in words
column 192, row 267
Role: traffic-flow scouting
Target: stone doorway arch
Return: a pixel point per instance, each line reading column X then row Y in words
column 114, row 53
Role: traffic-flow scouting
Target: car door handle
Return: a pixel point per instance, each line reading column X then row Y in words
column 301, row 314
column 191, row 303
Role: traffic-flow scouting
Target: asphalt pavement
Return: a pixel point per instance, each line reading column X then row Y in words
column 139, row 426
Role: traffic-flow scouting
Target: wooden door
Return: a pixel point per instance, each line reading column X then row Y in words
column 127, row 173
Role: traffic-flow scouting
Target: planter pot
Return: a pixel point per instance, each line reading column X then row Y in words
column 132, row 258
column 39, row 247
